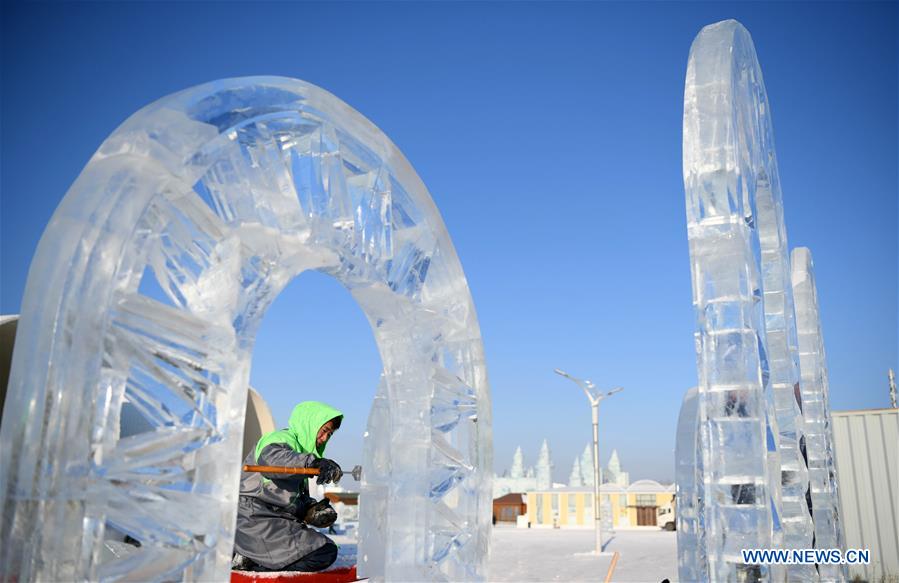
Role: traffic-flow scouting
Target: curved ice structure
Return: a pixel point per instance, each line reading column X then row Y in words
column 729, row 161
column 692, row 563
column 763, row 426
column 783, row 352
column 217, row 197
column 816, row 411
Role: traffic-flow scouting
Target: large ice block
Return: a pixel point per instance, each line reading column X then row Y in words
column 728, row 156
column 816, row 410
column 783, row 353
column 216, row 197
column 691, row 548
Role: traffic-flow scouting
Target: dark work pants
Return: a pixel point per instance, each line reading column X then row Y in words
column 319, row 559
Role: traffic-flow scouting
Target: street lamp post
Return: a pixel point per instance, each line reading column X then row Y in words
column 595, row 397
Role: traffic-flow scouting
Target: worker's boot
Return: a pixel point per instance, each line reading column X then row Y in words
column 241, row 563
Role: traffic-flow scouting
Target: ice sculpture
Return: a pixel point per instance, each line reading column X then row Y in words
column 728, row 158
column 691, row 558
column 783, row 351
column 544, row 468
column 615, row 474
column 587, row 465
column 575, row 480
column 517, row 470
column 816, row 410
column 217, row 197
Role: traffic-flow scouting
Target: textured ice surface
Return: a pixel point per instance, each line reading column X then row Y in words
column 691, row 559
column 816, row 410
column 783, row 351
column 217, row 197
column 729, row 157
column 763, row 473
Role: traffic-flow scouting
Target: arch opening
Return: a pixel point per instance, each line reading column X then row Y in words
column 224, row 193
column 334, row 359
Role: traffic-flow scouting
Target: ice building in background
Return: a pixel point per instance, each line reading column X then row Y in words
column 614, row 474
column 742, row 449
column 516, row 480
column 544, row 468
column 575, row 478
column 587, row 466
column 582, row 470
column 147, row 289
column 517, row 470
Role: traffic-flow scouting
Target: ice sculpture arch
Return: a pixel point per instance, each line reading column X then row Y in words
column 223, row 193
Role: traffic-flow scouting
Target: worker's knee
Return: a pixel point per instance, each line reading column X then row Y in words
column 319, row 559
column 329, row 555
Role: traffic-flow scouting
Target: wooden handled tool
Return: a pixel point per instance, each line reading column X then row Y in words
column 356, row 473
column 281, row 470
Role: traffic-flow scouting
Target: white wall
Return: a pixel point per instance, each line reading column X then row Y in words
column 867, row 458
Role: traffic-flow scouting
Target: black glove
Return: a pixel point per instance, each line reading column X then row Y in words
column 328, row 471
column 321, row 514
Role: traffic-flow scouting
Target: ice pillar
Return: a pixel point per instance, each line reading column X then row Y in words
column 692, row 563
column 147, row 289
column 728, row 156
column 816, row 409
column 783, row 353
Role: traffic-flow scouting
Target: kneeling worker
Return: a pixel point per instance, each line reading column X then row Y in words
column 275, row 510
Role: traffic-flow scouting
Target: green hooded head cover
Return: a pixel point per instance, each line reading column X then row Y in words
column 305, row 421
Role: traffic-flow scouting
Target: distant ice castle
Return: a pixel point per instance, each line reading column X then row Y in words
column 539, row 476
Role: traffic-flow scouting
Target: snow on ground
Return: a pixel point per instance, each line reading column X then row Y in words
column 645, row 555
column 563, row 555
column 346, row 550
column 530, row 554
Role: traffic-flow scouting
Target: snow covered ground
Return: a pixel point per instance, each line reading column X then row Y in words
column 521, row 554
column 562, row 555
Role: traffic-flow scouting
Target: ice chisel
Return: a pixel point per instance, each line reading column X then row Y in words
column 356, row 473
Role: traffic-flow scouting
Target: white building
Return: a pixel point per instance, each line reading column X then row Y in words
column 866, row 447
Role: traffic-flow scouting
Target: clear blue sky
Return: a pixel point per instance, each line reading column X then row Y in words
column 549, row 135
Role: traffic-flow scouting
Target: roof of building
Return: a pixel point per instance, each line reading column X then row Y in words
column 514, row 498
column 640, row 486
column 648, row 486
column 864, row 411
column 606, row 488
column 348, row 498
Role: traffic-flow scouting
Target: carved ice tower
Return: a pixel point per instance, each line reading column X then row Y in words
column 745, row 448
